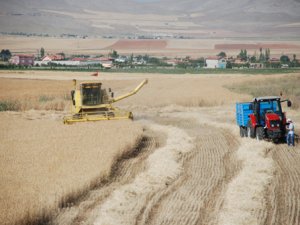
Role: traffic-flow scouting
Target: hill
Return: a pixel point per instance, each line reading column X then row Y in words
column 190, row 18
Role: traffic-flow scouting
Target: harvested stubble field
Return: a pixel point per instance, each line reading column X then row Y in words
column 191, row 166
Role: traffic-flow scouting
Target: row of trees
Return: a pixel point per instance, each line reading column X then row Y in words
column 264, row 58
column 5, row 55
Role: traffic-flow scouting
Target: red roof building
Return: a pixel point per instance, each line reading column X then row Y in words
column 53, row 58
column 22, row 60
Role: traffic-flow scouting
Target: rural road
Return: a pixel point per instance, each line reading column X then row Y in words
column 193, row 168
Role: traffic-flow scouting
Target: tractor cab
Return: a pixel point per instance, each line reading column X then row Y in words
column 91, row 94
column 267, row 110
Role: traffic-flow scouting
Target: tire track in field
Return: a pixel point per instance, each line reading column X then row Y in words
column 244, row 200
column 195, row 197
column 123, row 172
column 284, row 192
column 164, row 166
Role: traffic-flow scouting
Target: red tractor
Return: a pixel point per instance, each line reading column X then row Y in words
column 262, row 118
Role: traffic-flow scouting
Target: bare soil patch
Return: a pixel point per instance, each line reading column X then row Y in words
column 256, row 46
column 166, row 47
column 139, row 44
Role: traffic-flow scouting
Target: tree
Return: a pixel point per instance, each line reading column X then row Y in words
column 229, row 65
column 284, row 59
column 131, row 59
column 5, row 54
column 196, row 63
column 222, row 54
column 262, row 57
column 243, row 55
column 42, row 52
column 62, row 54
column 294, row 62
column 267, row 54
column 114, row 54
column 253, row 59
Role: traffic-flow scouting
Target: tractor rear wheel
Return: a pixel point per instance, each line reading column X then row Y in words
column 260, row 133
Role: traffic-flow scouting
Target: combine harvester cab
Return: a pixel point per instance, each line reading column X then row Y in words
column 90, row 102
column 262, row 118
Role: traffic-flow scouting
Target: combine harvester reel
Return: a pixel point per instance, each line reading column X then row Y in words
column 91, row 103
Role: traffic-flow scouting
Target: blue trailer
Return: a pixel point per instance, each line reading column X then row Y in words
column 243, row 112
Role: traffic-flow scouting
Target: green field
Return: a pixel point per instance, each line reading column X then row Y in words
column 160, row 70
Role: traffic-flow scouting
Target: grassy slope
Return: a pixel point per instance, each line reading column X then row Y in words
column 288, row 86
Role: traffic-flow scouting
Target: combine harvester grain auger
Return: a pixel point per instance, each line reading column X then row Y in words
column 90, row 102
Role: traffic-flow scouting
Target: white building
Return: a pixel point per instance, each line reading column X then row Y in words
column 215, row 62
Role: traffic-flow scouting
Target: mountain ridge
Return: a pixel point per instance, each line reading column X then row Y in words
column 190, row 18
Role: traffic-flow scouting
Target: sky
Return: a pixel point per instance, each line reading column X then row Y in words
column 146, row 0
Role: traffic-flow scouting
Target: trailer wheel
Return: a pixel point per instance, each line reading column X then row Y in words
column 242, row 132
column 245, row 131
column 260, row 133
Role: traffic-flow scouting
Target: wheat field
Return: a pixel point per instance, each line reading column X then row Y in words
column 192, row 169
column 44, row 163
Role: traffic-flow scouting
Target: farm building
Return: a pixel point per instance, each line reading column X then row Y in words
column 49, row 58
column 106, row 62
column 215, row 62
column 22, row 60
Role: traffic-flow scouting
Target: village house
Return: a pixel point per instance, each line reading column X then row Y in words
column 49, row 58
column 107, row 63
column 215, row 62
column 87, row 61
column 22, row 60
column 56, row 59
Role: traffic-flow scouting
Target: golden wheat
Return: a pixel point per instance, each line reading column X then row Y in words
column 45, row 163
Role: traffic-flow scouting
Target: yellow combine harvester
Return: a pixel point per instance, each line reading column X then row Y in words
column 91, row 103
